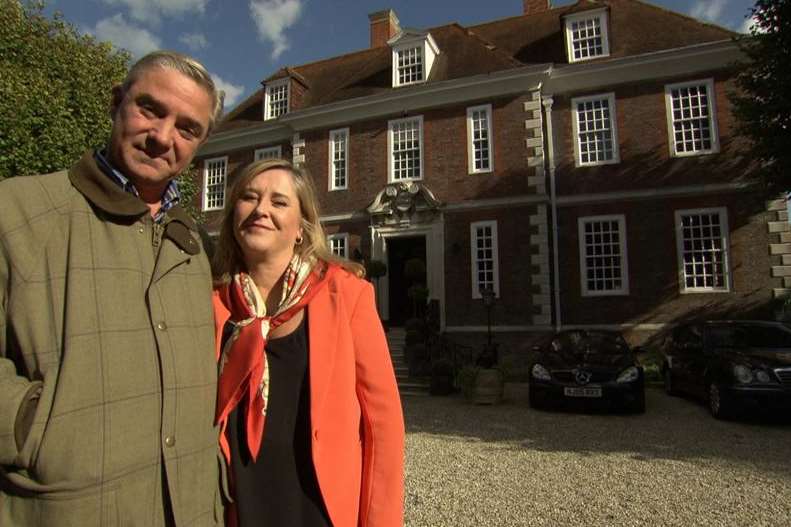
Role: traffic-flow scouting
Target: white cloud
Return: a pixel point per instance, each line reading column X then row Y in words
column 121, row 34
column 710, row 10
column 272, row 18
column 151, row 11
column 194, row 41
column 232, row 92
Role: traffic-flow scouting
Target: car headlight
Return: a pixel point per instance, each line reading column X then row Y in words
column 743, row 374
column 628, row 375
column 540, row 372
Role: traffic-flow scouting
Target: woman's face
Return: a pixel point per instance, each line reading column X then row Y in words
column 267, row 217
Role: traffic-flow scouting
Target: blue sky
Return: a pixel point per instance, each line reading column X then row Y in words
column 243, row 41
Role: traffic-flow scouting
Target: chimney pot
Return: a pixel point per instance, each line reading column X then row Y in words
column 536, row 6
column 384, row 26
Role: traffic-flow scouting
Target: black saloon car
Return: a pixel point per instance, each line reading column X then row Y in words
column 735, row 366
column 593, row 367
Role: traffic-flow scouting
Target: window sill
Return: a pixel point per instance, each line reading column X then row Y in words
column 616, row 161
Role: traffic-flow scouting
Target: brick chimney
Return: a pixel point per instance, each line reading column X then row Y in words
column 384, row 26
column 536, row 6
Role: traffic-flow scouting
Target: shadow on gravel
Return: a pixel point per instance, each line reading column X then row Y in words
column 672, row 428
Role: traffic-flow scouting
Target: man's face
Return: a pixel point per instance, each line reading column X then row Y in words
column 158, row 124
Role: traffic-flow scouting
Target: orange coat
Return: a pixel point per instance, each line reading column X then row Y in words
column 356, row 422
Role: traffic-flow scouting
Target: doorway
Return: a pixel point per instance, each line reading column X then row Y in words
column 403, row 275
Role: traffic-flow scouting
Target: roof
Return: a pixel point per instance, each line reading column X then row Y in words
column 635, row 28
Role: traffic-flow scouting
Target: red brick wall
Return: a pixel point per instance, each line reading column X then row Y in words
column 359, row 236
column 643, row 141
column 514, row 307
column 444, row 163
column 654, row 291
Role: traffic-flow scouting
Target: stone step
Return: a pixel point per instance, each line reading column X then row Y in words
column 414, row 393
column 413, row 384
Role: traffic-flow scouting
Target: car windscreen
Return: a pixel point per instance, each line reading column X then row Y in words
column 588, row 342
column 749, row 336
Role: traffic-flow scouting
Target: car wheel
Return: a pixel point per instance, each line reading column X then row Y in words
column 535, row 401
column 670, row 387
column 638, row 406
column 718, row 404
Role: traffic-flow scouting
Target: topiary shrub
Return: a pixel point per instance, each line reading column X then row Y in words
column 465, row 380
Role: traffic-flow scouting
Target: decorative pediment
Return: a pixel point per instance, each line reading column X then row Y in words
column 400, row 202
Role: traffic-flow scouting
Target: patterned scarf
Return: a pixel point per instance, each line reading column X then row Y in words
column 244, row 369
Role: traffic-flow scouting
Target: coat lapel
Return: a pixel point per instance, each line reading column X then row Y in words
column 178, row 245
column 322, row 335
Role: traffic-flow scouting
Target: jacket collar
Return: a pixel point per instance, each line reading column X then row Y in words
column 99, row 189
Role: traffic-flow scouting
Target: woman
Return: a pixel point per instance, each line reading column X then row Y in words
column 311, row 419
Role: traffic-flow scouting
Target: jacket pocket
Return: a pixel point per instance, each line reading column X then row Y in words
column 86, row 508
column 28, row 453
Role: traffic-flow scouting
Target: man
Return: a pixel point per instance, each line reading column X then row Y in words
column 107, row 368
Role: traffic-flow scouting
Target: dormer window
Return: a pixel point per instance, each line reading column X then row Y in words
column 276, row 99
column 410, row 65
column 413, row 56
column 587, row 35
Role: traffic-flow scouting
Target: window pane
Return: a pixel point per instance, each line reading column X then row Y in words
column 410, row 65
column 595, row 131
column 406, row 149
column 602, row 258
column 278, row 100
column 692, row 126
column 215, row 183
column 339, row 152
column 483, row 259
column 703, row 250
column 586, row 38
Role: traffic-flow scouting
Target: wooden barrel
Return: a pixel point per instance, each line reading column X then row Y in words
column 489, row 385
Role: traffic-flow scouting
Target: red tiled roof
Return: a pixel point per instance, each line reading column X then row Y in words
column 635, row 27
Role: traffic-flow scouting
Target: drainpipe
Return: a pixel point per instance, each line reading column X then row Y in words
column 547, row 102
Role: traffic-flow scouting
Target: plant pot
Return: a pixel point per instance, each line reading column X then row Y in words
column 488, row 387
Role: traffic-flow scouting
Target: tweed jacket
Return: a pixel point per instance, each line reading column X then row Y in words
column 356, row 421
column 106, row 317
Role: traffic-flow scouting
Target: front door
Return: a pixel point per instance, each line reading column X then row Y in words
column 404, row 259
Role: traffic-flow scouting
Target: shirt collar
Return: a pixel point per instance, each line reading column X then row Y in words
column 170, row 197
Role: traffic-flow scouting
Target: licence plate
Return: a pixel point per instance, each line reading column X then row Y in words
column 582, row 392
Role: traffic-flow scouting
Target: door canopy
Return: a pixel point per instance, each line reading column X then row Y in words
column 404, row 202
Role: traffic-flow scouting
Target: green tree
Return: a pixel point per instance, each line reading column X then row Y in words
column 55, row 87
column 190, row 190
column 763, row 105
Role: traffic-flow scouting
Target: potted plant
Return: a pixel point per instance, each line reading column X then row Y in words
column 465, row 380
column 482, row 383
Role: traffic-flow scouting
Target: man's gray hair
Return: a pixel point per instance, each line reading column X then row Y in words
column 183, row 64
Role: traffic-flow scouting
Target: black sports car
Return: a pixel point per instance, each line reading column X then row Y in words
column 733, row 365
column 593, row 367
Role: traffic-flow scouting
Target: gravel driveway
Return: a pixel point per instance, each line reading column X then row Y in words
column 510, row 465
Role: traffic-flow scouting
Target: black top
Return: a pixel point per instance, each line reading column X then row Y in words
column 280, row 488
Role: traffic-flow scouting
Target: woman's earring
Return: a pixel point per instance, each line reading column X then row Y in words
column 299, row 241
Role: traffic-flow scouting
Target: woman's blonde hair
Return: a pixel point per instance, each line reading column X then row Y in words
column 228, row 258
